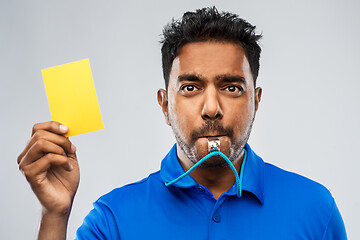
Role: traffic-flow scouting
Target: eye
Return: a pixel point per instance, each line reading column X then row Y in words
column 189, row 90
column 233, row 90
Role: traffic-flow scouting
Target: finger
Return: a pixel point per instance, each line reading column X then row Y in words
column 38, row 150
column 43, row 164
column 60, row 140
column 52, row 126
column 73, row 154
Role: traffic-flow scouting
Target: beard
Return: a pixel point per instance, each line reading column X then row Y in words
column 232, row 151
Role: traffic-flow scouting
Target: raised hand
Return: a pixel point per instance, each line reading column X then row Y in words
column 50, row 166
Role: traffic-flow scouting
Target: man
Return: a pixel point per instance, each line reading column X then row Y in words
column 210, row 66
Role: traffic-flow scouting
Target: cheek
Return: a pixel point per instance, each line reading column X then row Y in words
column 183, row 116
column 240, row 116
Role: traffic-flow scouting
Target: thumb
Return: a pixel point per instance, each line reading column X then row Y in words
column 72, row 152
column 73, row 163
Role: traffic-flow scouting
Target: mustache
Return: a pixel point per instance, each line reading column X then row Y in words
column 211, row 127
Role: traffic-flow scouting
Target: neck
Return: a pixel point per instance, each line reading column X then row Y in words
column 217, row 179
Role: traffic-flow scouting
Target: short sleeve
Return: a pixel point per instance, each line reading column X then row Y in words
column 98, row 224
column 336, row 228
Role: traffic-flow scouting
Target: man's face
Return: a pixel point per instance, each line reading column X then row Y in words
column 210, row 94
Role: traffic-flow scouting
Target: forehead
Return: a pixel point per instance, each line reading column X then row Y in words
column 211, row 59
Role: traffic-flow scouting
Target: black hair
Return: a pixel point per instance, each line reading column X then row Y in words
column 207, row 24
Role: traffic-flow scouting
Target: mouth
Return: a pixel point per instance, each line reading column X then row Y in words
column 213, row 136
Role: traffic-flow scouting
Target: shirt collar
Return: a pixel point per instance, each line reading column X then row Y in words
column 253, row 179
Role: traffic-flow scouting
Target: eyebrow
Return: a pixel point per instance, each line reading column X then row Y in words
column 231, row 78
column 224, row 78
column 190, row 77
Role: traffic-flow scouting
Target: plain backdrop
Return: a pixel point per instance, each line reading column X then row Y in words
column 308, row 121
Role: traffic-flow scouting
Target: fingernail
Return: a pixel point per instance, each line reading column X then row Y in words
column 73, row 148
column 63, row 128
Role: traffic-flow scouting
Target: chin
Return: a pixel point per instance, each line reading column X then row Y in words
column 214, row 162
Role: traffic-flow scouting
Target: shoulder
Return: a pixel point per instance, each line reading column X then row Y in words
column 275, row 174
column 132, row 192
column 306, row 201
column 302, row 192
column 121, row 205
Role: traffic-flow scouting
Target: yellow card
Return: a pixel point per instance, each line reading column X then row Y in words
column 72, row 98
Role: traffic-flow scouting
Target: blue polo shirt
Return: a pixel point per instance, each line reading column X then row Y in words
column 275, row 204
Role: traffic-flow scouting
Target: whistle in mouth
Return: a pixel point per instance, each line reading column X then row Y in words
column 213, row 144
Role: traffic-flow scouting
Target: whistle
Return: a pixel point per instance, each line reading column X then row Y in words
column 213, row 144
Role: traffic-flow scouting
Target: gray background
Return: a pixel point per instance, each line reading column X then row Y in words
column 307, row 122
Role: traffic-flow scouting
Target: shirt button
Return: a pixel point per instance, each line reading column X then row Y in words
column 216, row 217
column 201, row 189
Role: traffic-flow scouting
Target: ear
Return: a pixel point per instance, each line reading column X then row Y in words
column 163, row 102
column 258, row 92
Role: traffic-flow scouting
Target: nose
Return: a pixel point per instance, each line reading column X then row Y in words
column 211, row 109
